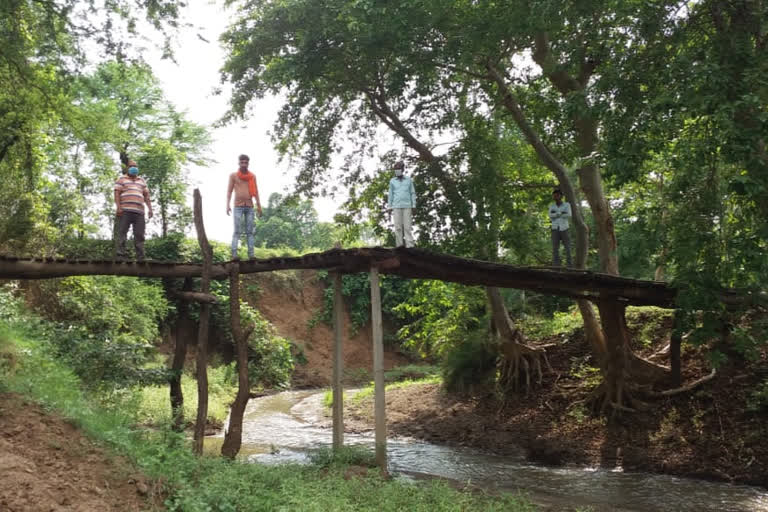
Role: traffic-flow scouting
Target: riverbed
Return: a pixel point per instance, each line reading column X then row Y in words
column 285, row 427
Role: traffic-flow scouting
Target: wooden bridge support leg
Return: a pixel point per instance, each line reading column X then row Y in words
column 378, row 372
column 338, row 364
column 203, row 326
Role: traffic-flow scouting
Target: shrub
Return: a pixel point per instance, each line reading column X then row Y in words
column 470, row 366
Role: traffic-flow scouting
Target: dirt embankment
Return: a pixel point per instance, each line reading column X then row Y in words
column 291, row 301
column 706, row 433
column 47, row 464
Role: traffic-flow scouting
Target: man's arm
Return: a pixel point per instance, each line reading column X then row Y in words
column 553, row 213
column 567, row 212
column 258, row 203
column 230, row 186
column 148, row 202
column 117, row 202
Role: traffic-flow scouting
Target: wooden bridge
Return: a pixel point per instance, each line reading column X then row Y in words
column 411, row 263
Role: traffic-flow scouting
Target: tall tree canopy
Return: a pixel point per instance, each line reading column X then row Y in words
column 583, row 83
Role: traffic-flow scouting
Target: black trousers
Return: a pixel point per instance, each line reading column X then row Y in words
column 557, row 237
column 125, row 221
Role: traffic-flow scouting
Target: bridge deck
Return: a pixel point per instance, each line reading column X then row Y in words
column 411, row 263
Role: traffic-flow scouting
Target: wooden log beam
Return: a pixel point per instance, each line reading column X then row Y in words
column 409, row 263
column 47, row 269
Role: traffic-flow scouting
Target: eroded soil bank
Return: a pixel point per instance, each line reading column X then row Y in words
column 47, row 464
column 706, row 433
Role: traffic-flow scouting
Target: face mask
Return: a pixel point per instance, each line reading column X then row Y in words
column 398, row 172
column 133, row 171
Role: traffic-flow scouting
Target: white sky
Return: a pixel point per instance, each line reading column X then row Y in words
column 189, row 85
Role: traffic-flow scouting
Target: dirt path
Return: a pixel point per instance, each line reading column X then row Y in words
column 46, row 465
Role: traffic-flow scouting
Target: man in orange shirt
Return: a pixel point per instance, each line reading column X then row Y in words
column 243, row 184
column 131, row 193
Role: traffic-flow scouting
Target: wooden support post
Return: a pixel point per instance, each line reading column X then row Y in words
column 378, row 372
column 202, row 333
column 183, row 332
column 675, row 342
column 234, row 437
column 338, row 363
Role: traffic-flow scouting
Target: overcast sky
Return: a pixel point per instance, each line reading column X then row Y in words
column 189, row 85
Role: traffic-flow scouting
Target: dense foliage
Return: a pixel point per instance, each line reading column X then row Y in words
column 651, row 116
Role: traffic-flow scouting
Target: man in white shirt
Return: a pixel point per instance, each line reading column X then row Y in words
column 401, row 200
column 559, row 213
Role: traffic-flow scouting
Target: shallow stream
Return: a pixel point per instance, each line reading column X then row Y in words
column 284, row 427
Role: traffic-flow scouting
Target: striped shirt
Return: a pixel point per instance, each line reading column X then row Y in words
column 133, row 193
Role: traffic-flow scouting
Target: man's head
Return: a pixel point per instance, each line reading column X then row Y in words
column 243, row 161
column 557, row 195
column 133, row 169
column 399, row 167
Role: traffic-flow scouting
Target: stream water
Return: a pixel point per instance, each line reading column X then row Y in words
column 286, row 426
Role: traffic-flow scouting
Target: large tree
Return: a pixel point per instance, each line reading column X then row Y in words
column 345, row 77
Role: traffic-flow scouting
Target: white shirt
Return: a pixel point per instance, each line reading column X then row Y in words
column 559, row 215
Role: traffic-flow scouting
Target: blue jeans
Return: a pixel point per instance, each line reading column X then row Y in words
column 241, row 213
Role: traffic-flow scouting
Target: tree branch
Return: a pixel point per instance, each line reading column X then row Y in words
column 542, row 55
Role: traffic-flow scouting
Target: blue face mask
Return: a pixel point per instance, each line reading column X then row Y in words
column 133, row 171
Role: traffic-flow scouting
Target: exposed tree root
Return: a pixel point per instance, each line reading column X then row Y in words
column 604, row 401
column 689, row 387
column 519, row 363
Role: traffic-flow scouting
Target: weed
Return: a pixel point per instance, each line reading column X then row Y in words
column 583, row 371
column 348, row 455
column 579, row 413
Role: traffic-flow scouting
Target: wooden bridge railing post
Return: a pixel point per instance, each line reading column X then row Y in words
column 338, row 363
column 378, row 372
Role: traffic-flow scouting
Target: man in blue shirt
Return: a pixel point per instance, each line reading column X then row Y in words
column 559, row 213
column 402, row 198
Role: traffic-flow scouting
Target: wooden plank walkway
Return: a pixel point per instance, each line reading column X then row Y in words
column 410, row 263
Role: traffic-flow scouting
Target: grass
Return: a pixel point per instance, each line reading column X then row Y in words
column 397, row 377
column 198, row 484
column 154, row 406
column 368, row 391
column 562, row 322
column 646, row 322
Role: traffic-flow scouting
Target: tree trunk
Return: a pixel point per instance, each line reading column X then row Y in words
column 591, row 184
column 519, row 361
column 674, row 349
column 612, row 393
column 234, row 435
column 183, row 332
column 202, row 334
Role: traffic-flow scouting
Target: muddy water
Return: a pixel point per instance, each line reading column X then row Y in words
column 284, row 427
